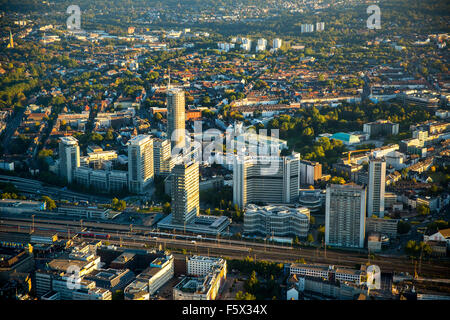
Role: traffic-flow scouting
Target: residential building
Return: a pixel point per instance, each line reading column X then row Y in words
column 376, row 188
column 162, row 159
column 276, row 43
column 140, row 163
column 345, row 215
column 69, row 157
column 310, row 172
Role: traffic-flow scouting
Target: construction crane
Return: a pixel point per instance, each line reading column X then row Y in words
column 354, row 151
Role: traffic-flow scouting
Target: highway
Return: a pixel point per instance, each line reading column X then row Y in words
column 145, row 236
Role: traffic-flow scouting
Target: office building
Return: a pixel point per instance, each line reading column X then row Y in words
column 162, row 159
column 387, row 227
column 310, row 172
column 176, row 117
column 185, row 193
column 201, row 284
column 328, row 272
column 140, row 163
column 376, row 187
column 276, row 221
column 69, row 157
column 200, row 266
column 274, row 180
column 312, row 199
column 345, row 215
column 147, row 283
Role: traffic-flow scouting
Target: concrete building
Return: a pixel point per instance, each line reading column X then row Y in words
column 202, row 286
column 162, row 160
column 327, row 272
column 147, row 283
column 376, row 188
column 185, row 193
column 383, row 226
column 276, row 43
column 201, row 266
column 312, row 199
column 176, row 117
column 345, row 215
column 310, row 172
column 261, row 44
column 69, row 157
column 320, row 26
column 276, row 221
column 381, row 127
column 140, row 163
column 277, row 182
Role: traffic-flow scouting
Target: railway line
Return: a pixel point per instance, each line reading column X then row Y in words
column 141, row 237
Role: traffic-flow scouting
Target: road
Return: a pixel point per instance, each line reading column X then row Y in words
column 142, row 236
column 11, row 127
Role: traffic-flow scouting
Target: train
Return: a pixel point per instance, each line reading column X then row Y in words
column 96, row 235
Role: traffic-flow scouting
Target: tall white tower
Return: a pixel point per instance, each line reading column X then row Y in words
column 140, row 163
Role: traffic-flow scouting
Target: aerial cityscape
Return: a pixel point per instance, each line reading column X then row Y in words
column 224, row 150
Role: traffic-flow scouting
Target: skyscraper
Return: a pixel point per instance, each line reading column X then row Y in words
column 345, row 215
column 261, row 45
column 176, row 117
column 140, row 163
column 377, row 184
column 253, row 181
column 185, row 193
column 276, row 43
column 69, row 157
column 162, row 157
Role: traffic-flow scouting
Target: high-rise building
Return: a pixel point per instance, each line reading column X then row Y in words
column 345, row 215
column 140, row 163
column 69, row 157
column 255, row 181
column 176, row 117
column 320, row 26
column 185, row 193
column 261, row 45
column 246, row 44
column 306, row 28
column 376, row 186
column 162, row 159
column 310, row 172
column 276, row 43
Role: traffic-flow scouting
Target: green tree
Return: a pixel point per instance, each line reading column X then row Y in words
column 49, row 203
